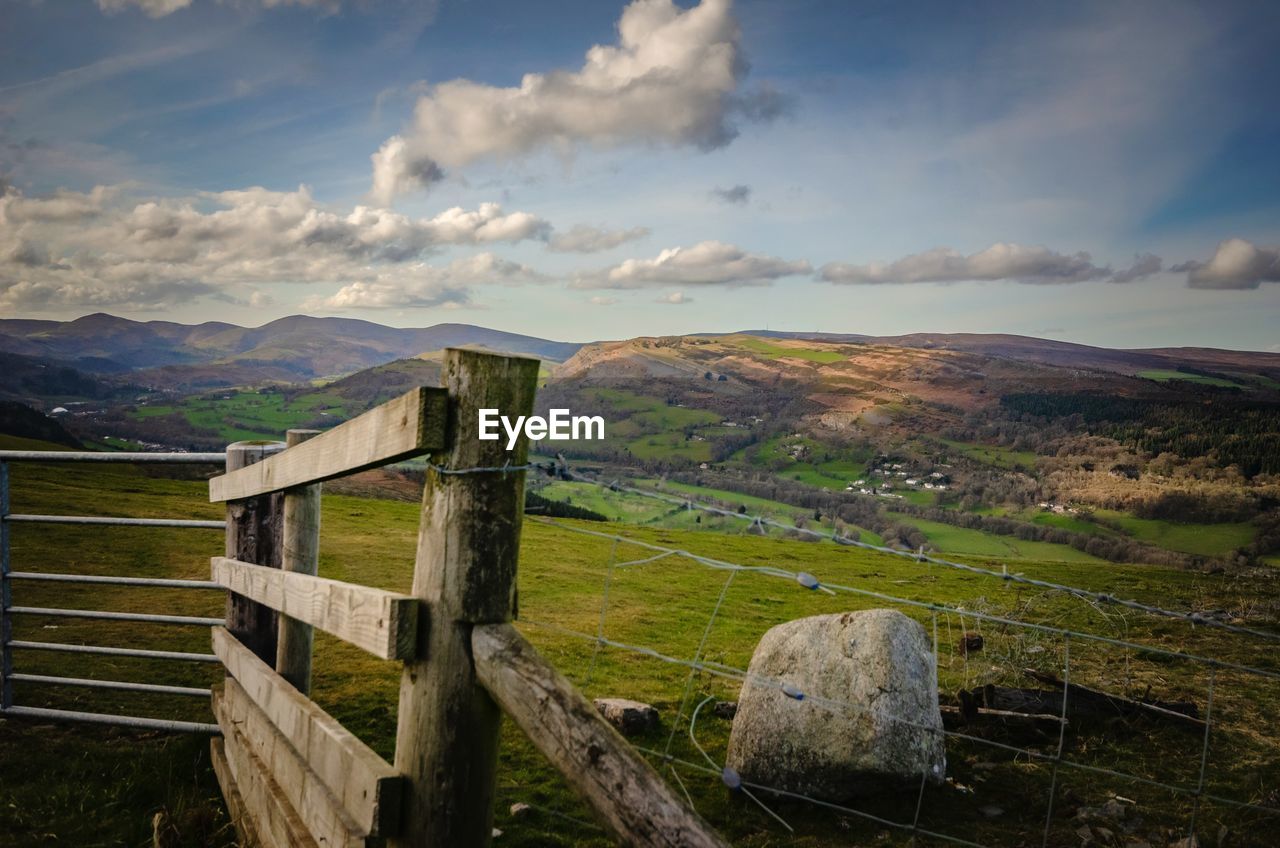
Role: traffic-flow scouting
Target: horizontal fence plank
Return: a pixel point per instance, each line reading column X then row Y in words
column 321, row 812
column 624, row 790
column 112, row 456
column 138, row 722
column 140, row 653
column 409, row 425
column 106, row 615
column 276, row 821
column 116, row 521
column 368, row 787
column 122, row 685
column 383, row 623
column 157, row 582
column 246, row 833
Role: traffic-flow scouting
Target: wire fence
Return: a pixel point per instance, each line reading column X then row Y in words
column 1232, row 717
column 1257, row 802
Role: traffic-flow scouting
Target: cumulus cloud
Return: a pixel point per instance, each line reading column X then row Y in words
column 672, row 79
column 1144, row 265
column 426, row 286
column 585, row 239
column 98, row 249
column 601, row 300
column 1236, row 264
column 674, row 299
column 1016, row 262
column 737, row 195
column 709, row 263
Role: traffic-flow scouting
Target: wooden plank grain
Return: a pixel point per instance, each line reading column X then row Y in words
column 368, row 787
column 301, row 553
column 409, row 425
column 318, row 808
column 275, row 821
column 624, row 790
column 383, row 623
column 255, row 527
column 468, row 546
column 246, row 833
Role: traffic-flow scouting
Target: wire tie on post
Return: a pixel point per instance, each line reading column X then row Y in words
column 731, row 778
column 792, row 691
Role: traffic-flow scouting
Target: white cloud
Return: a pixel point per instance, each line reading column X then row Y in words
column 601, row 300
column 671, row 80
column 427, row 286
column 674, row 299
column 709, row 263
column 585, row 239
column 1236, row 264
column 1016, row 262
column 98, row 249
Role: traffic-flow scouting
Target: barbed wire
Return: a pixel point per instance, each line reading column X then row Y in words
column 699, row 663
column 802, row 579
column 1194, row 618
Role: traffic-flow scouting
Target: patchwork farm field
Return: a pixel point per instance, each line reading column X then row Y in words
column 90, row 786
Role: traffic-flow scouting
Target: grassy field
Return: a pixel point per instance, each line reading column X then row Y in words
column 1203, row 539
column 779, row 351
column 91, row 786
column 1164, row 376
column 949, row 539
column 247, row 415
column 1000, row 457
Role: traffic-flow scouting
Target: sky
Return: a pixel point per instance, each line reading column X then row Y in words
column 1100, row 172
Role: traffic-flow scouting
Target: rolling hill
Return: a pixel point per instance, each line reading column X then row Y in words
column 167, row 355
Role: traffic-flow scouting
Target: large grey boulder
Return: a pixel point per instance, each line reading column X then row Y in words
column 792, row 733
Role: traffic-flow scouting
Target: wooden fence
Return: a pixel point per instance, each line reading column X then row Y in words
column 291, row 775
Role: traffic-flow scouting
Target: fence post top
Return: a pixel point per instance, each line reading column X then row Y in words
column 460, row 352
column 258, row 449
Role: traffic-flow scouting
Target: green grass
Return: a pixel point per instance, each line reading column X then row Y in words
column 90, row 786
column 248, row 415
column 778, row 351
column 961, row 540
column 1067, row 522
column 824, row 467
column 1163, row 376
column 994, row 455
column 1201, row 539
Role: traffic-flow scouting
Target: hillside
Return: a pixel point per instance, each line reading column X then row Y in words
column 955, row 449
column 167, row 355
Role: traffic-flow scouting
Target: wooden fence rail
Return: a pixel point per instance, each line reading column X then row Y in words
column 290, row 773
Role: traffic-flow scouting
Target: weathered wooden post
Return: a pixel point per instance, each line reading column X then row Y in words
column 468, row 546
column 255, row 530
column 301, row 554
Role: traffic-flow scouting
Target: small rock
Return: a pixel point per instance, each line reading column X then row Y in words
column 1187, row 842
column 725, row 709
column 520, row 810
column 630, row 717
column 1085, row 833
column 991, row 811
column 496, row 833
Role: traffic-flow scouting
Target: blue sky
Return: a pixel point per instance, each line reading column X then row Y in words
column 1099, row 172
